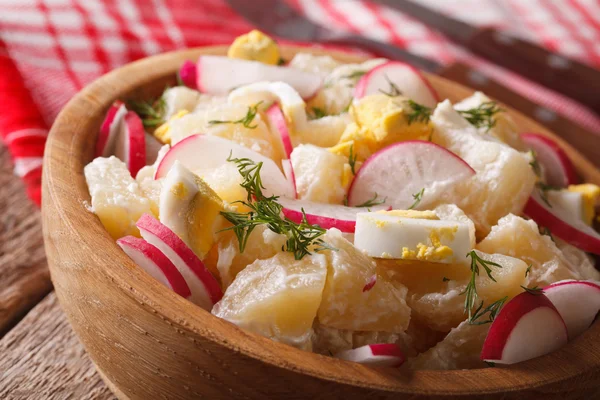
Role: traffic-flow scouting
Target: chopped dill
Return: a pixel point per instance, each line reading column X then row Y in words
column 372, row 202
column 352, row 159
column 492, row 310
column 471, row 289
column 246, row 120
column 534, row 290
column 393, row 91
column 418, row 197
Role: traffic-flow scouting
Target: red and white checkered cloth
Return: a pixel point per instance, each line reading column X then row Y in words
column 49, row 49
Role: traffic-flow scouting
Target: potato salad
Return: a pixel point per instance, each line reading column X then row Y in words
column 349, row 210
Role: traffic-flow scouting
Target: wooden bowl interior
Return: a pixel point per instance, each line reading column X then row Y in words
column 83, row 256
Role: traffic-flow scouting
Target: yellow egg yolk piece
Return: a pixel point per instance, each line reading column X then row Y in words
column 255, row 46
column 589, row 197
column 163, row 132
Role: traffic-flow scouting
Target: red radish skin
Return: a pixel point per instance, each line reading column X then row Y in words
column 584, row 238
column 205, row 152
column 558, row 169
column 278, row 124
column 397, row 72
column 288, row 171
column 131, row 143
column 505, row 329
column 110, row 129
column 377, row 169
column 376, row 355
column 372, row 281
column 220, row 74
column 155, row 263
column 578, row 302
column 187, row 74
column 205, row 289
column 325, row 215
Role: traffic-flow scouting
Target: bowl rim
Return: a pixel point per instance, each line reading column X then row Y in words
column 69, row 202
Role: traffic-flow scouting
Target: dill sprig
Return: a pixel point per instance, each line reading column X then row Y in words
column 372, row 202
column 418, row 197
column 152, row 112
column 246, row 120
column 535, row 165
column 301, row 238
column 471, row 289
column 528, row 270
column 534, row 290
column 393, row 91
column 482, row 115
column 316, row 113
column 419, row 112
column 352, row 159
column 543, row 189
column 492, row 310
column 355, row 76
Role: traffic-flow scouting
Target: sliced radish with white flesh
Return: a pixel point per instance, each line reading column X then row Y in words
column 200, row 153
column 154, row 262
column 528, row 326
column 187, row 74
column 401, row 170
column 375, row 355
column 220, row 75
column 325, row 215
column 278, row 126
column 578, row 302
column 557, row 168
column 105, row 146
column 562, row 223
column 153, row 146
column 292, row 105
column 131, row 143
column 205, row 289
column 288, row 171
column 408, row 80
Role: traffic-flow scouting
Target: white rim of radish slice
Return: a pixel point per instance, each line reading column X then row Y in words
column 204, row 152
column 232, row 73
column 205, row 290
column 110, row 129
column 155, row 263
column 288, row 171
column 375, row 355
column 278, row 125
column 378, row 79
column 575, row 232
column 557, row 166
column 370, row 172
column 325, row 215
column 580, row 310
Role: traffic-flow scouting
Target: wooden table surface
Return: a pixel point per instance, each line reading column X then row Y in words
column 40, row 356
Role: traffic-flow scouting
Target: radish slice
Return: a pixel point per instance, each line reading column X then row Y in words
column 407, row 79
column 131, row 143
column 154, row 262
column 278, row 125
column 153, row 146
column 105, row 146
column 401, row 170
column 562, row 224
column 528, row 326
column 200, row 153
column 375, row 355
column 187, row 74
column 557, row 168
column 578, row 303
column 288, row 170
column 205, row 290
column 220, row 75
column 325, row 215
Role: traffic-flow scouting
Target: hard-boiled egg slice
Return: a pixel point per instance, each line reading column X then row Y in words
column 190, row 208
column 412, row 235
column 570, row 202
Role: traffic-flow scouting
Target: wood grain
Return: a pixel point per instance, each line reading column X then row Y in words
column 41, row 358
column 149, row 342
column 24, row 276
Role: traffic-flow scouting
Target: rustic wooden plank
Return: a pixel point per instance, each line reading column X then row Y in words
column 41, row 358
column 24, row 277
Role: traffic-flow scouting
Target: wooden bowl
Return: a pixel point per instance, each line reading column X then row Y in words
column 149, row 343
